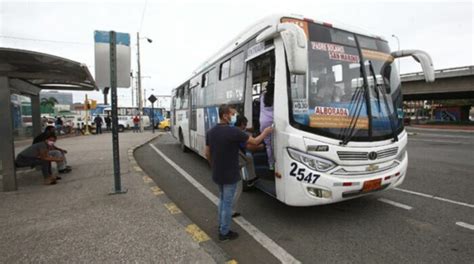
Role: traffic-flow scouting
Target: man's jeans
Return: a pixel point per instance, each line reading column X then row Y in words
column 226, row 195
column 59, row 154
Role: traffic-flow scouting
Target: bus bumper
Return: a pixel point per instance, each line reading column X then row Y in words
column 332, row 188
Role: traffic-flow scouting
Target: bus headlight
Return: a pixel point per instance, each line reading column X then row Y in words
column 312, row 162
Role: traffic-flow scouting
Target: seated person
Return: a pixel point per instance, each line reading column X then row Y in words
column 42, row 137
column 37, row 154
column 54, row 151
column 59, row 153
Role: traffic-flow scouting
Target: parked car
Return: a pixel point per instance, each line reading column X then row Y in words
column 165, row 125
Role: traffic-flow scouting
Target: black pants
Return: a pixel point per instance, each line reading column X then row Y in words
column 28, row 161
column 98, row 129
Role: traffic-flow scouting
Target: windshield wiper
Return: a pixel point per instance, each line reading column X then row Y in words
column 356, row 103
column 384, row 95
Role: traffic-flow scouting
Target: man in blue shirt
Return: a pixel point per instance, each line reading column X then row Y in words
column 222, row 152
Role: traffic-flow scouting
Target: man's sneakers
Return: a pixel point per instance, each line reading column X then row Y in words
column 235, row 214
column 51, row 180
column 231, row 235
column 66, row 170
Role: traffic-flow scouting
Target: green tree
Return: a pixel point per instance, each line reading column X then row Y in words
column 49, row 102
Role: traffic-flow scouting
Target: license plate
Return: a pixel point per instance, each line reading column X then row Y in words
column 372, row 185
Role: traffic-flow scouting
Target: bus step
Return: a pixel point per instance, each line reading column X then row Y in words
column 266, row 186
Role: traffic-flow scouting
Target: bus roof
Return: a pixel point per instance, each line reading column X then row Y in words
column 260, row 25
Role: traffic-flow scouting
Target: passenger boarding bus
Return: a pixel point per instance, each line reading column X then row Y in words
column 338, row 114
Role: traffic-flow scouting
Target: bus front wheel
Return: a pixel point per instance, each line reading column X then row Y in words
column 181, row 141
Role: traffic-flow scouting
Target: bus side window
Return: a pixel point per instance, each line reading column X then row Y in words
column 224, row 70
column 205, row 79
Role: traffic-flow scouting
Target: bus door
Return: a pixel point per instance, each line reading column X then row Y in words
column 173, row 114
column 193, row 117
column 260, row 72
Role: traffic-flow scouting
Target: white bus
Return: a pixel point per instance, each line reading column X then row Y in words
column 338, row 117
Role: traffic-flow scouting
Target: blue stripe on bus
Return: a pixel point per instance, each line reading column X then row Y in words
column 103, row 37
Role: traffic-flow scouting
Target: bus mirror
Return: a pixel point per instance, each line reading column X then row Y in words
column 423, row 58
column 294, row 40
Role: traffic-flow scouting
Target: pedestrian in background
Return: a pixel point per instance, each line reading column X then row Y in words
column 222, row 152
column 59, row 125
column 98, row 124
column 108, row 122
column 136, row 124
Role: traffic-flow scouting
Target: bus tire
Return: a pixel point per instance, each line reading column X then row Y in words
column 167, row 129
column 181, row 142
column 121, row 128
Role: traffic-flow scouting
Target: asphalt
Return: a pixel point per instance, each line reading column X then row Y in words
column 363, row 230
column 79, row 221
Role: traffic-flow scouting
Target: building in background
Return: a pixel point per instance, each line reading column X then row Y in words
column 62, row 97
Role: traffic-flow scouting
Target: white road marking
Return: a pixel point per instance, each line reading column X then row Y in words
column 400, row 205
column 465, row 225
column 435, row 197
column 253, row 231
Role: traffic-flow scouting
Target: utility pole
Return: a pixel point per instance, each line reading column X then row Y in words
column 139, row 82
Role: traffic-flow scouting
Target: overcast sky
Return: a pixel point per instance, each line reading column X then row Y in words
column 186, row 33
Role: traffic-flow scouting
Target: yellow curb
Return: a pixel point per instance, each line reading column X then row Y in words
column 232, row 261
column 197, row 234
column 147, row 179
column 172, row 208
column 137, row 168
column 156, row 190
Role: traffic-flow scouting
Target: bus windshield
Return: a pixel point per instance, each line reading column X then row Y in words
column 332, row 99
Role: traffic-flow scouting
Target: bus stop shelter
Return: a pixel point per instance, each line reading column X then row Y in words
column 26, row 73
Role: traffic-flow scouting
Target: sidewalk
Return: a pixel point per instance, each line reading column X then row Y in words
column 78, row 221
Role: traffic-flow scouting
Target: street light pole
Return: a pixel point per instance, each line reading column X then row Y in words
column 139, row 84
column 398, row 42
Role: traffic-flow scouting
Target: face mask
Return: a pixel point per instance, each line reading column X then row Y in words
column 233, row 119
column 50, row 143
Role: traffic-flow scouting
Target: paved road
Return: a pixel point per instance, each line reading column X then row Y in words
column 416, row 229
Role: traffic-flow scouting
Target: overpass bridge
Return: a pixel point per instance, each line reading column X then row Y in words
column 451, row 83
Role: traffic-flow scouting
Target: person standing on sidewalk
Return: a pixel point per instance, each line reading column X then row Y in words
column 108, row 122
column 136, row 124
column 222, row 152
column 98, row 124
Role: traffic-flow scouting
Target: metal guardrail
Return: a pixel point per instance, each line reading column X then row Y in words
column 452, row 72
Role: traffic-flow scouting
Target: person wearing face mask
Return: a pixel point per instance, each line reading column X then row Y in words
column 54, row 151
column 38, row 155
column 222, row 151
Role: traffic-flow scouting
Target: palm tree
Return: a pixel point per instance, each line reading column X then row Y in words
column 49, row 102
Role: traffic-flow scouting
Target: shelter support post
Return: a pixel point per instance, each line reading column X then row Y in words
column 36, row 114
column 7, row 153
